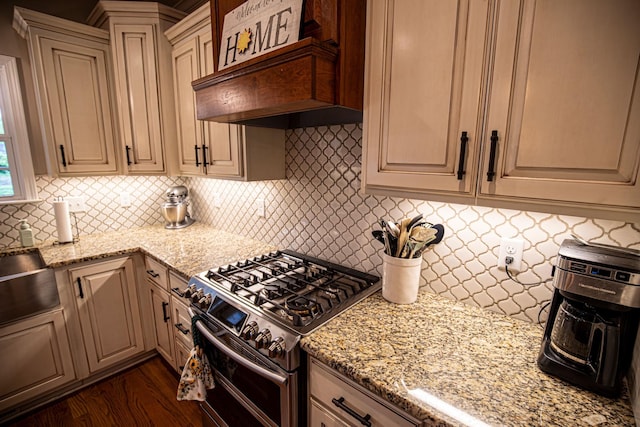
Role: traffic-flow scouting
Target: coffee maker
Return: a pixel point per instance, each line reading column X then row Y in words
column 593, row 319
column 174, row 210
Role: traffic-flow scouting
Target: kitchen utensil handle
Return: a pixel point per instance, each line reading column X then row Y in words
column 492, row 156
column 127, row 149
column 165, row 317
column 204, row 155
column 247, row 363
column 64, row 159
column 463, row 155
column 80, row 291
column 197, row 161
column 363, row 420
column 181, row 328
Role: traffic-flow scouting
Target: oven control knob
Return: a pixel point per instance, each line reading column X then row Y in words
column 205, row 301
column 263, row 339
column 250, row 331
column 277, row 347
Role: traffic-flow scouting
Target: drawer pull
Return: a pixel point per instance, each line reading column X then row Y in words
column 181, row 328
column 363, row 420
column 178, row 292
column 152, row 273
column 197, row 161
column 127, row 149
column 204, row 155
column 64, row 159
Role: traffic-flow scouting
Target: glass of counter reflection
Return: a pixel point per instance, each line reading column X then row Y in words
column 227, row 314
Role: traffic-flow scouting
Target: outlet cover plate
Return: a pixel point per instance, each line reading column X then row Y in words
column 76, row 204
column 513, row 248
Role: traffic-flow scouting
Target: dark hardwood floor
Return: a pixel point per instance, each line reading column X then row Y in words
column 141, row 396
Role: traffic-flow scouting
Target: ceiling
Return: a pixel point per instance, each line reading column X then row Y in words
column 79, row 10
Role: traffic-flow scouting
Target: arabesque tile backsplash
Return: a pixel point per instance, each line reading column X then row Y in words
column 320, row 210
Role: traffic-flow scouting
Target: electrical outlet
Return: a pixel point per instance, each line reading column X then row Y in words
column 76, row 204
column 125, row 199
column 260, row 207
column 215, row 198
column 511, row 248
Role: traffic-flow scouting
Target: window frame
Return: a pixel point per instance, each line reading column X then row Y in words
column 16, row 136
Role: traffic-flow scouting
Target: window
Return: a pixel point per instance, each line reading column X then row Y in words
column 17, row 180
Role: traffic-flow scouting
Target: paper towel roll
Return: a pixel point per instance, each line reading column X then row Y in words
column 63, row 222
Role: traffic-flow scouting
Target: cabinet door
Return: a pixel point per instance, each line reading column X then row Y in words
column 108, row 311
column 565, row 101
column 223, row 140
column 423, row 90
column 163, row 328
column 185, row 70
column 34, row 358
column 138, row 89
column 76, row 107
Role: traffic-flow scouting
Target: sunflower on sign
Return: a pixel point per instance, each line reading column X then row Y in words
column 244, row 40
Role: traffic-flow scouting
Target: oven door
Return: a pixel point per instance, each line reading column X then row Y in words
column 249, row 391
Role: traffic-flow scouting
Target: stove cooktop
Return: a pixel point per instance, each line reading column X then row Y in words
column 298, row 291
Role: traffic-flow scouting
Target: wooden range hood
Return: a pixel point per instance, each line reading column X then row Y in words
column 318, row 80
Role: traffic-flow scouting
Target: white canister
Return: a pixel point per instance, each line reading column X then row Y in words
column 400, row 279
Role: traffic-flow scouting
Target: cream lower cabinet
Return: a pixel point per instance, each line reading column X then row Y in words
column 72, row 72
column 524, row 104
column 218, row 150
column 337, row 401
column 35, row 358
column 171, row 320
column 106, row 298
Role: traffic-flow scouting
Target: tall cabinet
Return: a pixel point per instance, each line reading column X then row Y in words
column 73, row 74
column 213, row 149
column 143, row 81
column 518, row 104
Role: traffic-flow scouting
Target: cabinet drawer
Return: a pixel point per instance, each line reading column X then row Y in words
column 157, row 273
column 325, row 386
column 181, row 322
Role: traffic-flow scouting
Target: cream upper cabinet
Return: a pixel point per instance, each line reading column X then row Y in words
column 424, row 67
column 525, row 104
column 213, row 149
column 143, row 81
column 565, row 102
column 106, row 298
column 72, row 72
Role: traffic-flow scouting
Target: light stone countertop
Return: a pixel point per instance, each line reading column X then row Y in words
column 481, row 363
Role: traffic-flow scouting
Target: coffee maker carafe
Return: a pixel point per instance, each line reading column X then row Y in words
column 593, row 319
column 174, row 210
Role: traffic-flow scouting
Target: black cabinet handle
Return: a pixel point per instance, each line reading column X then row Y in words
column 80, row 287
column 152, row 273
column 64, row 159
column 127, row 149
column 204, row 155
column 197, row 161
column 182, row 328
column 178, row 292
column 463, row 155
column 492, row 156
column 363, row 420
column 165, row 317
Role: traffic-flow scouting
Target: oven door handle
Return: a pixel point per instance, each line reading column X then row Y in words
column 281, row 380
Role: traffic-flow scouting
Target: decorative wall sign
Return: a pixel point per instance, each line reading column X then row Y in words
column 257, row 27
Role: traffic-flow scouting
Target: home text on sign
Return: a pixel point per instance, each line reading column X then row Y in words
column 257, row 27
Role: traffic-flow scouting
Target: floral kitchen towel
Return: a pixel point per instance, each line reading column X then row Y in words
column 196, row 377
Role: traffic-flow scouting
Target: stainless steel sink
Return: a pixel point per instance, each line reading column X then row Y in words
column 27, row 286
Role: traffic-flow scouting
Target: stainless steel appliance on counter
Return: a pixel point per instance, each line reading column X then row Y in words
column 175, row 210
column 593, row 320
column 252, row 315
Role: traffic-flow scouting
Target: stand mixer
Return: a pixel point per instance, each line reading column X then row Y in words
column 174, row 210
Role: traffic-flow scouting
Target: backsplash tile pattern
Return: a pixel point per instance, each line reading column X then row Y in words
column 102, row 201
column 320, row 210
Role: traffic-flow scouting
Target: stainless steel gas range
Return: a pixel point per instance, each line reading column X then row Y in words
column 251, row 315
